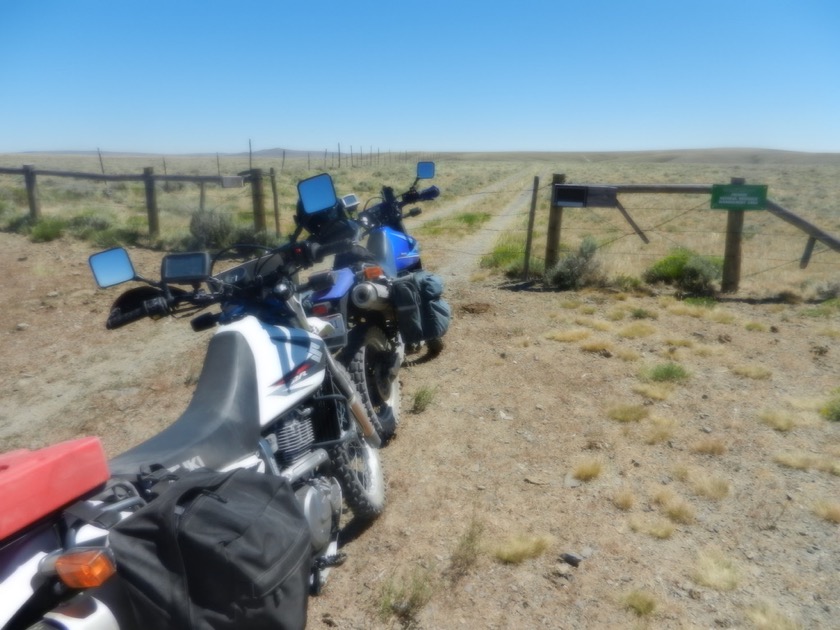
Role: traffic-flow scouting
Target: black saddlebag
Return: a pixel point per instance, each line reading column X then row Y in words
column 422, row 313
column 217, row 551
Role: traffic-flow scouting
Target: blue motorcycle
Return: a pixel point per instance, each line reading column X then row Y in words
column 380, row 289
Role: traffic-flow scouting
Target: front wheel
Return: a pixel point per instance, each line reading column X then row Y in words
column 372, row 360
column 359, row 471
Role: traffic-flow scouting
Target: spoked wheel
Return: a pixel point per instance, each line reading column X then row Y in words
column 359, row 472
column 358, row 467
column 371, row 359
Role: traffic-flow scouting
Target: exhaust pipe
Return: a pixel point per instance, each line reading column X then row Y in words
column 371, row 297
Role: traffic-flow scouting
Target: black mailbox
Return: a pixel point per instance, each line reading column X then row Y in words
column 566, row 196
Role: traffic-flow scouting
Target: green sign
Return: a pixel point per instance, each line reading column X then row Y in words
column 739, row 197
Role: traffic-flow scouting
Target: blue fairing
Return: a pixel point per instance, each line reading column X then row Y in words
column 344, row 279
column 395, row 249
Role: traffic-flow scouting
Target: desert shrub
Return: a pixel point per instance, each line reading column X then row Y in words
column 624, row 282
column 666, row 373
column 115, row 237
column 212, row 229
column 86, row 226
column 47, row 229
column 691, row 273
column 831, row 409
column 576, row 270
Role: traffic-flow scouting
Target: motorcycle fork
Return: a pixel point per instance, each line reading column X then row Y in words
column 354, row 402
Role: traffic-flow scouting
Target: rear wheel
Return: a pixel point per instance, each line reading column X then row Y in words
column 435, row 346
column 372, row 358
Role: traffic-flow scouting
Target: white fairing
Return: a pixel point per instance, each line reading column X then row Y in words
column 290, row 364
column 16, row 587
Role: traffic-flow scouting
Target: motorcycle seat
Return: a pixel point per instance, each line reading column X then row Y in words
column 220, row 424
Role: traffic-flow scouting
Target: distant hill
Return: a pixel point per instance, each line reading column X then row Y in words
column 684, row 156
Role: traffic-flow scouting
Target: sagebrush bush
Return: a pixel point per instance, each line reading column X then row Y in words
column 47, row 229
column 691, row 273
column 212, row 229
column 576, row 270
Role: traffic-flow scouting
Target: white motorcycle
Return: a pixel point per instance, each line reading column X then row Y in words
column 270, row 398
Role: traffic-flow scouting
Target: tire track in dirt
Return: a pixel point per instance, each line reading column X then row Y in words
column 463, row 256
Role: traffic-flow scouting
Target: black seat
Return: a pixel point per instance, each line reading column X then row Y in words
column 221, row 422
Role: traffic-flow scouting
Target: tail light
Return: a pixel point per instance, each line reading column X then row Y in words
column 321, row 309
column 85, row 568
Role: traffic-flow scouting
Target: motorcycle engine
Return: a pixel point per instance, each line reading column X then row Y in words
column 320, row 498
column 295, row 435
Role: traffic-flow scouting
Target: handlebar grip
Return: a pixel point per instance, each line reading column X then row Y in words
column 155, row 306
column 321, row 251
column 427, row 194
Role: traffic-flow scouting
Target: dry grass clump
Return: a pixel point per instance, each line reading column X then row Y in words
column 624, row 499
column 642, row 603
column 654, row 391
column 709, row 446
column 716, row 570
column 755, row 327
column 709, row 486
column 755, row 372
column 660, row 430
column 466, row 553
column 674, row 506
column 778, row 420
column 594, row 324
column 568, row 336
column 405, row 596
column 520, row 548
column 679, row 342
column 655, row 527
column 705, row 350
column 721, row 317
column 688, row 310
column 627, row 354
column 765, row 616
column 616, row 315
column 829, row 511
column 637, row 330
column 808, row 461
column 597, row 346
column 627, row 413
column 588, row 469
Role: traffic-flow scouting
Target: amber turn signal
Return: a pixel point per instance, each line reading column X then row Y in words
column 372, row 273
column 85, row 568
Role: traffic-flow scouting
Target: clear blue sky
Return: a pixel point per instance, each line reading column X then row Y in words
column 170, row 76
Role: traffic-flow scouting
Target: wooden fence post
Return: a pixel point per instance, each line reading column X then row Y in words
column 529, row 238
column 32, row 191
column 555, row 222
column 151, row 201
column 258, row 197
column 732, row 253
column 273, row 176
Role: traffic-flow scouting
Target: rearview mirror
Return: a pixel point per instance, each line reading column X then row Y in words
column 111, row 267
column 425, row 170
column 317, row 193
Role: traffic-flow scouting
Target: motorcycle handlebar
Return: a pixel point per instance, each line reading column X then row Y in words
column 427, row 194
column 150, row 308
column 321, row 251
